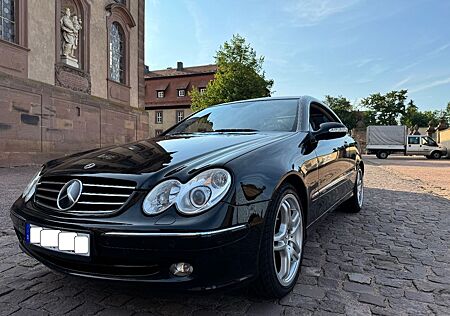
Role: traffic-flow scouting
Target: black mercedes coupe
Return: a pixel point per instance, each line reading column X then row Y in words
column 226, row 196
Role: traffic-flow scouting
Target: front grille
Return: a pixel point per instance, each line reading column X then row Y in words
column 99, row 195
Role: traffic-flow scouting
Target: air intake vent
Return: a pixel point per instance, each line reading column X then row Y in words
column 98, row 196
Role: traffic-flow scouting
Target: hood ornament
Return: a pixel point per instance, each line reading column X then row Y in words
column 89, row 165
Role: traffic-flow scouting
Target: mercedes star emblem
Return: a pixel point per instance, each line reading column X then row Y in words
column 69, row 194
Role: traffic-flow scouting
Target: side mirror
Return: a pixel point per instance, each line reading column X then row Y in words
column 330, row 130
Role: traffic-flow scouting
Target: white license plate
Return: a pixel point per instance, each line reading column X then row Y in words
column 58, row 240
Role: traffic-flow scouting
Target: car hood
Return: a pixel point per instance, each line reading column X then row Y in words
column 168, row 154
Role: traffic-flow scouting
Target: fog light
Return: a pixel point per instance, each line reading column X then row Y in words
column 181, row 269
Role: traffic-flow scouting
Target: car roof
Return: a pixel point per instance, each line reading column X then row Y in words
column 301, row 97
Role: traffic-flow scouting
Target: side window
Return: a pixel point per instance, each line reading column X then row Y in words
column 424, row 141
column 428, row 141
column 318, row 115
column 414, row 140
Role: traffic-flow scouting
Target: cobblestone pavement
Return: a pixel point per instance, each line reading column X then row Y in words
column 392, row 258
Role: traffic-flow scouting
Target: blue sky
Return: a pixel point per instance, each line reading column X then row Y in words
column 315, row 47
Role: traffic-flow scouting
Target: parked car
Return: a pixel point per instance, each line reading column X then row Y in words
column 223, row 197
column 385, row 140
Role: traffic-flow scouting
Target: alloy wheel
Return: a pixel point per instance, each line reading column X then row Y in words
column 288, row 239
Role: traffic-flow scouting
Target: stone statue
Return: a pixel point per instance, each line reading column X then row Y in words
column 431, row 129
column 70, row 27
column 416, row 130
column 411, row 130
column 442, row 124
column 77, row 26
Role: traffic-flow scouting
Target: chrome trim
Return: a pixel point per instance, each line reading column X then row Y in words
column 109, row 186
column 333, row 183
column 51, row 182
column 46, row 197
column 190, row 234
column 47, row 206
column 90, row 212
column 101, row 203
column 48, row 190
column 105, row 194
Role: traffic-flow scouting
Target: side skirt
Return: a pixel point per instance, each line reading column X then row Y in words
column 332, row 208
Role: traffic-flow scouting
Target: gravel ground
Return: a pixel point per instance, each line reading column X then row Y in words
column 433, row 176
column 392, row 258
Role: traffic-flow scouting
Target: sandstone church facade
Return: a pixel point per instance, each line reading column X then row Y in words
column 71, row 77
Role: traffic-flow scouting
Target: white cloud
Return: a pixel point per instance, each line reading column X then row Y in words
column 363, row 62
column 401, row 83
column 429, row 85
column 438, row 50
column 408, row 66
column 311, row 12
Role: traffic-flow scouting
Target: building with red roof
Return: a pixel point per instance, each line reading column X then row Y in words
column 167, row 93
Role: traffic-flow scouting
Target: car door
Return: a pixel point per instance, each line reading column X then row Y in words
column 334, row 167
column 414, row 146
column 428, row 145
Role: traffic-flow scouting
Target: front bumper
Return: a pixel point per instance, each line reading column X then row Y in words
column 219, row 257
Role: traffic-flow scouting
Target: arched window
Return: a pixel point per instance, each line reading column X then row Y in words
column 119, row 23
column 8, row 21
column 117, row 61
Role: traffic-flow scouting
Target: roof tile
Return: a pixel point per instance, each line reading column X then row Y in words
column 173, row 72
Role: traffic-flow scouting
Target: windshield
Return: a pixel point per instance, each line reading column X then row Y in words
column 428, row 141
column 271, row 115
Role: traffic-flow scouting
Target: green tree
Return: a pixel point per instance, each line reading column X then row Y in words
column 239, row 76
column 385, row 109
column 446, row 113
column 343, row 108
column 412, row 115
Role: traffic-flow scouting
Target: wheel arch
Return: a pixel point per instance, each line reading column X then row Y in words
column 297, row 182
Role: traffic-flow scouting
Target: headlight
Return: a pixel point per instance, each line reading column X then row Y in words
column 199, row 194
column 161, row 197
column 31, row 186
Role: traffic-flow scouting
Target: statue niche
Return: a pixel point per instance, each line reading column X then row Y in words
column 70, row 29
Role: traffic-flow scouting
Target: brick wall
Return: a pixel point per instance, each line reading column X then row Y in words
column 39, row 121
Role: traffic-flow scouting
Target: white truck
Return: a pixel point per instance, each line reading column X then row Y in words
column 385, row 140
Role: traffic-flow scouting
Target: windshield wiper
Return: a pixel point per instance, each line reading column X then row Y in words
column 235, row 130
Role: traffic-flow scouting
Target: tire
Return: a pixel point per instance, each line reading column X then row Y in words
column 272, row 282
column 429, row 157
column 436, row 155
column 382, row 154
column 355, row 203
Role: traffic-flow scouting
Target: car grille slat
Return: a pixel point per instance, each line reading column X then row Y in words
column 99, row 195
column 101, row 203
column 46, row 197
column 49, row 190
column 109, row 186
column 106, row 194
column 52, row 182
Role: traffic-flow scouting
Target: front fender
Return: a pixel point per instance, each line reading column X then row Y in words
column 259, row 173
